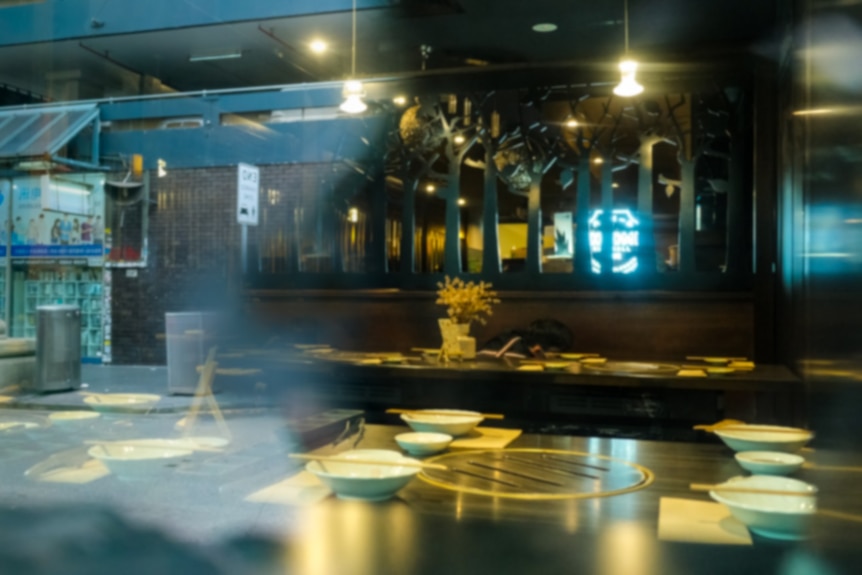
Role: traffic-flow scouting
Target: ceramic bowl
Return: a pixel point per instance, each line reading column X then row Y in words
column 364, row 481
column 120, row 401
column 128, row 461
column 452, row 422
column 774, row 516
column 769, row 462
column 423, row 443
column 765, row 438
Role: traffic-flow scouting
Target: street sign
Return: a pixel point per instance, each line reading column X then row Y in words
column 247, row 192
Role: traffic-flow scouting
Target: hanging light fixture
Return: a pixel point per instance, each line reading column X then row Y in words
column 628, row 86
column 353, row 91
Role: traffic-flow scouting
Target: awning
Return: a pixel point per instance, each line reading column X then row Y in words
column 42, row 132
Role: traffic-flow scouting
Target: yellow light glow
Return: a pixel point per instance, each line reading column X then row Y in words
column 628, row 86
column 353, row 94
column 462, row 202
column 572, row 123
column 598, row 161
column 459, row 139
column 399, row 100
column 430, row 188
column 318, row 46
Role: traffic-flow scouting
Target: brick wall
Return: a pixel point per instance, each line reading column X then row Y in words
column 194, row 250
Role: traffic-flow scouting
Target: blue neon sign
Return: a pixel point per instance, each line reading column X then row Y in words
column 625, row 237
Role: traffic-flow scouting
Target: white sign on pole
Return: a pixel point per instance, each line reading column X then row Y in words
column 248, row 186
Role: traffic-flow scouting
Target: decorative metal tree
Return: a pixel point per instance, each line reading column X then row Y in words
column 458, row 136
column 594, row 139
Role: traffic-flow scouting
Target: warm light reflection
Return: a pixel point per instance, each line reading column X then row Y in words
column 813, row 112
column 318, row 46
column 626, row 547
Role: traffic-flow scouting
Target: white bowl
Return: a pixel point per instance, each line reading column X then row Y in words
column 423, row 442
column 452, row 422
column 128, row 461
column 765, row 438
column 775, row 516
column 119, row 401
column 365, row 481
column 769, row 462
column 76, row 416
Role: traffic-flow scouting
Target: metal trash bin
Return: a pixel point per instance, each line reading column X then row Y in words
column 189, row 337
column 58, row 348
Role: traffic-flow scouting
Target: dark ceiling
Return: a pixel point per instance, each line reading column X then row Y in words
column 460, row 33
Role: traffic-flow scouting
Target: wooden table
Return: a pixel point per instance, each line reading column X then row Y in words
column 430, row 530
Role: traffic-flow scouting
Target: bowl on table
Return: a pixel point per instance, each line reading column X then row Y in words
column 769, row 462
column 770, row 515
column 129, row 461
column 72, row 417
column 121, row 401
column 452, row 422
column 764, row 438
column 365, row 481
column 423, row 442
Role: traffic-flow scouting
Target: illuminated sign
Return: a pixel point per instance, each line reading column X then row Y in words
column 625, row 238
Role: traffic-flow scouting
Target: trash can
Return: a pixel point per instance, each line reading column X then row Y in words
column 58, row 348
column 189, row 337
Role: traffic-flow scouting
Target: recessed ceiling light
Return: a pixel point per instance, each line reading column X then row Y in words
column 399, row 100
column 318, row 46
column 571, row 123
column 430, row 188
column 544, row 27
column 598, row 160
column 462, row 202
column 459, row 139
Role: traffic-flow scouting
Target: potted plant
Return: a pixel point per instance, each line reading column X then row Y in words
column 465, row 303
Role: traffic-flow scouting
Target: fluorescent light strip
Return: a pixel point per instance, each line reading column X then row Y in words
column 227, row 56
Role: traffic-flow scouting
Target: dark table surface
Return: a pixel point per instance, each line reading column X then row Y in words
column 425, row 529
column 764, row 377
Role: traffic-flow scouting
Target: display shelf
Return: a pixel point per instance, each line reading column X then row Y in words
column 79, row 286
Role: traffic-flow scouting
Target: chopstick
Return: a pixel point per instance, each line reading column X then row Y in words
column 153, row 444
column 432, row 412
column 335, row 459
column 730, row 488
column 703, row 357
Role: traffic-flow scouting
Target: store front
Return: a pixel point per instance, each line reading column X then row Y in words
column 53, row 248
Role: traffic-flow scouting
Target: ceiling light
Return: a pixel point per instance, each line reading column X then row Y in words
column 353, row 92
column 462, row 202
column 628, row 86
column 430, row 188
column 399, row 100
column 223, row 56
column 615, row 185
column 598, row 160
column 353, row 215
column 459, row 139
column 572, row 123
column 544, row 27
column 318, row 46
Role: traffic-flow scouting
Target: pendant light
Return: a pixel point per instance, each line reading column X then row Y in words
column 628, row 86
column 353, row 91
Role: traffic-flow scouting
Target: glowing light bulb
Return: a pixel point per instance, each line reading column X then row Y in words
column 628, row 86
column 353, row 94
